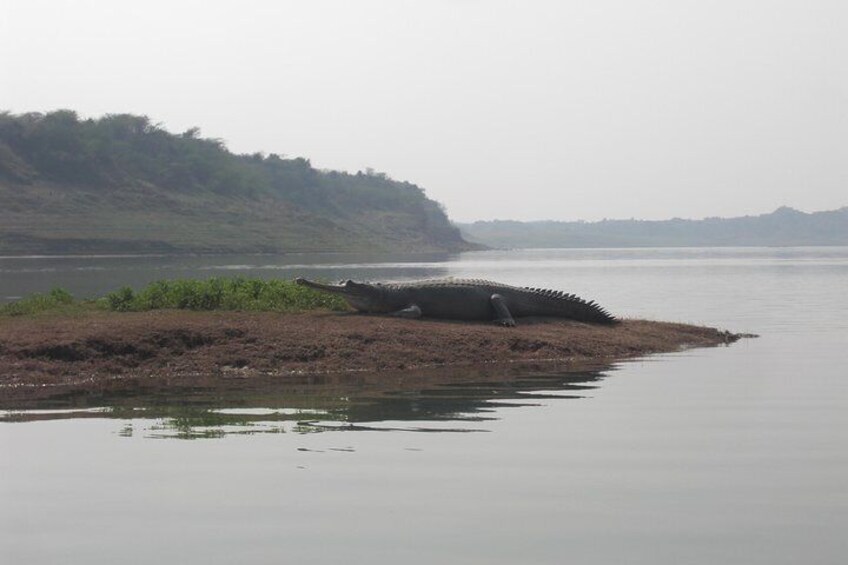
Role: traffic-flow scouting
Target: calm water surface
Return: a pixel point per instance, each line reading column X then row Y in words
column 728, row 455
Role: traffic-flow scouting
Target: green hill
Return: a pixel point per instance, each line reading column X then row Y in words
column 122, row 184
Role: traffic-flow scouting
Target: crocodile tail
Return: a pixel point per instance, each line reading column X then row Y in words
column 571, row 306
column 579, row 309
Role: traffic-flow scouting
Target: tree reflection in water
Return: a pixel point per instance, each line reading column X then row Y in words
column 422, row 400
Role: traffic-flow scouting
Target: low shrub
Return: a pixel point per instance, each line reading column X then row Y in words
column 58, row 298
column 223, row 294
column 121, row 300
column 188, row 294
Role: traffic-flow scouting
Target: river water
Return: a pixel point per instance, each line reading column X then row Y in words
column 735, row 454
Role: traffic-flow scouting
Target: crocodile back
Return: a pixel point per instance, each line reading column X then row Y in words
column 444, row 296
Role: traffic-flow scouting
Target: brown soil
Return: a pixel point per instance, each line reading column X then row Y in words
column 93, row 351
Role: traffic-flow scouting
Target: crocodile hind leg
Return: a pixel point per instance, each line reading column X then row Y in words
column 504, row 318
column 412, row 311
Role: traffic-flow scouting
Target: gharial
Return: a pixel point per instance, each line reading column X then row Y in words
column 463, row 299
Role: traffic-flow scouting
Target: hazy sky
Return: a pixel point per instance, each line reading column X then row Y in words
column 520, row 110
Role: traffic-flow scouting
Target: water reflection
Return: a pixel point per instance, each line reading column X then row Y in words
column 447, row 401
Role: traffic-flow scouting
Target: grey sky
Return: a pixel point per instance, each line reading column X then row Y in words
column 521, row 110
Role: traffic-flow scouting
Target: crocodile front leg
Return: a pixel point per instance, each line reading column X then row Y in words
column 504, row 318
column 412, row 312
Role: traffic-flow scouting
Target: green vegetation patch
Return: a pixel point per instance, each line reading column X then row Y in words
column 56, row 300
column 222, row 294
column 187, row 294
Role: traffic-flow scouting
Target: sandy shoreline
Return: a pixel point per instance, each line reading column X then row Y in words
column 43, row 357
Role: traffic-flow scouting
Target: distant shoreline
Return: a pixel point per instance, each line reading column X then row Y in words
column 785, row 227
column 219, row 254
column 45, row 358
column 398, row 253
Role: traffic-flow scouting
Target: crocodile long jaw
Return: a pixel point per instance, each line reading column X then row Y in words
column 334, row 288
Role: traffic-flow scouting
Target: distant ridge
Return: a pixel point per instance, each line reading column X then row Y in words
column 122, row 184
column 783, row 227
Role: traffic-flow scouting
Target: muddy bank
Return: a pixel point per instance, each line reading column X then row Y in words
column 40, row 358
